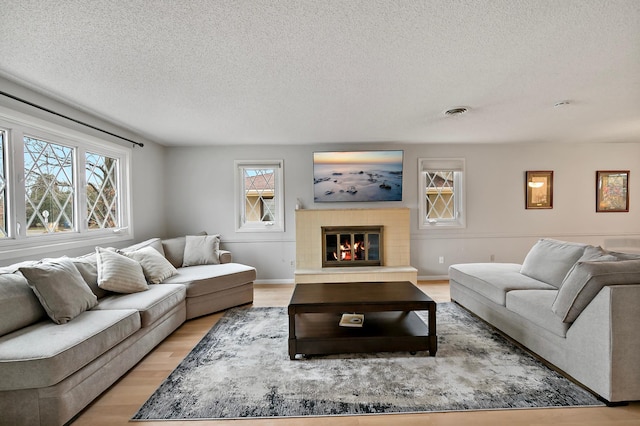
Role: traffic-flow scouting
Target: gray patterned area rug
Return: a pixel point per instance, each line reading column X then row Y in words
column 241, row 369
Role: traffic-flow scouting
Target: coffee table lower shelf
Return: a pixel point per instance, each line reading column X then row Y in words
column 394, row 331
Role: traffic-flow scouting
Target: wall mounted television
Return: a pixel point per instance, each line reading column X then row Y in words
column 357, row 176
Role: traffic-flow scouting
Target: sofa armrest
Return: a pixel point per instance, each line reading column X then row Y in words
column 224, row 256
column 604, row 340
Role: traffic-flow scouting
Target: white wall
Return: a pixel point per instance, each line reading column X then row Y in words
column 147, row 174
column 497, row 222
column 183, row 190
column 201, row 183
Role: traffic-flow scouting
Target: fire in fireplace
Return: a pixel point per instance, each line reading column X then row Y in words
column 351, row 246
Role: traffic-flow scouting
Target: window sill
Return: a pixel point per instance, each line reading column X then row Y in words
column 273, row 228
column 441, row 225
column 12, row 251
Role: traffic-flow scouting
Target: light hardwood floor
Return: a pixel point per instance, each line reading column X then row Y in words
column 118, row 404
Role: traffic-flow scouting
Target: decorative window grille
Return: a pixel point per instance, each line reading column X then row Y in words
column 59, row 187
column 260, row 196
column 440, row 195
column 102, row 191
column 49, row 186
column 3, row 186
column 441, row 202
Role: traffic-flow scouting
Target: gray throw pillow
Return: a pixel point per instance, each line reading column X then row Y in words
column 60, row 288
column 118, row 273
column 549, row 260
column 19, row 306
column 596, row 253
column 201, row 250
column 586, row 279
column 154, row 265
column 174, row 250
column 624, row 256
column 88, row 268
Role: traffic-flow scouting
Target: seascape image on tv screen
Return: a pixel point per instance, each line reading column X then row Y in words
column 357, row 176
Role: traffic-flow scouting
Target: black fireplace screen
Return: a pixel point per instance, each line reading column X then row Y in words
column 352, row 246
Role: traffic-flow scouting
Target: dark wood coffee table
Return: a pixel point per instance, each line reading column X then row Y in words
column 390, row 323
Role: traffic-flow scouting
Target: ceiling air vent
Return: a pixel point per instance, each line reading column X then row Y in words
column 561, row 104
column 456, row 111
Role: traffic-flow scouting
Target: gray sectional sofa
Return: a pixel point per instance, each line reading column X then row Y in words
column 575, row 305
column 71, row 327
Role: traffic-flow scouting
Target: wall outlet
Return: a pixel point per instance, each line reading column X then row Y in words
column 441, row 259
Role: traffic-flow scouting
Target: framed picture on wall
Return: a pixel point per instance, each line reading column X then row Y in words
column 612, row 191
column 539, row 189
column 357, row 176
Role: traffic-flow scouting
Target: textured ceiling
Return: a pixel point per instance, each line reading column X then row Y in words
column 328, row 71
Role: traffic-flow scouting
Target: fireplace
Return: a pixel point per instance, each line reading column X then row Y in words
column 351, row 246
column 393, row 248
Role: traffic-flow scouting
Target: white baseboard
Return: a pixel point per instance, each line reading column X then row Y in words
column 275, row 282
column 433, row 277
column 291, row 281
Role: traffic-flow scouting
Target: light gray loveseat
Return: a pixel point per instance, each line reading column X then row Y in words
column 575, row 305
column 49, row 372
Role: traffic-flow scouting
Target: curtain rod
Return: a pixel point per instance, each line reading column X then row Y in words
column 69, row 118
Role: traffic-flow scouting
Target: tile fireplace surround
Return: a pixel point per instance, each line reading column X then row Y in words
column 396, row 250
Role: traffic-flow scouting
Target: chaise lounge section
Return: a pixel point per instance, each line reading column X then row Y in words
column 573, row 304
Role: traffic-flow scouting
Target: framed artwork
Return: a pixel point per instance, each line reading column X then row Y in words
column 359, row 176
column 612, row 191
column 539, row 189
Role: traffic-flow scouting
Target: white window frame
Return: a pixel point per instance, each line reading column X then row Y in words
column 242, row 225
column 18, row 125
column 457, row 165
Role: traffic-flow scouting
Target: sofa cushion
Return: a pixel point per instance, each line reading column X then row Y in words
column 44, row 353
column 155, row 266
column 19, row 305
column 205, row 279
column 201, row 250
column 60, row 289
column 586, row 279
column 550, row 260
column 535, row 306
column 118, row 273
column 151, row 304
column 494, row 280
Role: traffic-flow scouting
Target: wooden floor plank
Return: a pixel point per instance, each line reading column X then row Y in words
column 118, row 404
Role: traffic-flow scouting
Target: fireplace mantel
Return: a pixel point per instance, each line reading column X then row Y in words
column 396, row 251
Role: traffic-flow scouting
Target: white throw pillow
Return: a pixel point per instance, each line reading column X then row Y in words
column 173, row 249
column 118, row 273
column 62, row 291
column 201, row 250
column 155, row 266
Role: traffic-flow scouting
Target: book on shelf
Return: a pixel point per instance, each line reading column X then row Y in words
column 352, row 320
